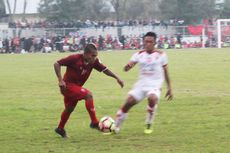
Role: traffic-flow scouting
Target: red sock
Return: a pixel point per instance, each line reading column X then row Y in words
column 124, row 110
column 64, row 119
column 89, row 104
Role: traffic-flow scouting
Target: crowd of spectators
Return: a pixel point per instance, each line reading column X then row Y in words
column 77, row 43
column 94, row 24
column 108, row 42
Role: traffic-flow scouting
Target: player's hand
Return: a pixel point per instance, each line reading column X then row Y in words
column 126, row 68
column 169, row 95
column 120, row 82
column 129, row 66
column 62, row 86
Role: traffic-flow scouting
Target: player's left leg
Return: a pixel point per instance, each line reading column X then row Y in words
column 81, row 93
column 153, row 98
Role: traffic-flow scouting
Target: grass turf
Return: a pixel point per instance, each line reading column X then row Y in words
column 196, row 121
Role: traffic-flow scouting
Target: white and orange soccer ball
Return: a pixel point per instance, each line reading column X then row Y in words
column 106, row 124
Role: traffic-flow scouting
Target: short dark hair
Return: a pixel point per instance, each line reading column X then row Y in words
column 150, row 34
column 90, row 48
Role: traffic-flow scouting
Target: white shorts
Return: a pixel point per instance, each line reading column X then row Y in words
column 139, row 93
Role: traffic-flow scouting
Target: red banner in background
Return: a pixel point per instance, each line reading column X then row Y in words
column 210, row 31
column 225, row 30
column 195, row 30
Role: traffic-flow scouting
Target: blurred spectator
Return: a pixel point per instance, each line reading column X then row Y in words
column 108, row 42
column 1, row 46
column 94, row 24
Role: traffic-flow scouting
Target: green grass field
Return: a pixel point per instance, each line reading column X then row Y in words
column 197, row 121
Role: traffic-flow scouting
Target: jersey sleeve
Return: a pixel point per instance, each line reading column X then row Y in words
column 99, row 66
column 164, row 61
column 134, row 58
column 67, row 61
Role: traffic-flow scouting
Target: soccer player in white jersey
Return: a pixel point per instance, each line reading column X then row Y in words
column 153, row 71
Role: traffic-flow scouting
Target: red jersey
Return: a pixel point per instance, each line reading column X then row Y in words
column 77, row 71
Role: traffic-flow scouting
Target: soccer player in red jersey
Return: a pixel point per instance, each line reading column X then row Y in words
column 79, row 67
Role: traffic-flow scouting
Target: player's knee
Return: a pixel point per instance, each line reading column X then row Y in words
column 153, row 99
column 69, row 110
column 89, row 95
column 131, row 101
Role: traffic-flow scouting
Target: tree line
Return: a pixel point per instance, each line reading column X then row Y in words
column 68, row 10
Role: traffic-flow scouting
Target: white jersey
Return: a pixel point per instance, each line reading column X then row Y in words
column 151, row 68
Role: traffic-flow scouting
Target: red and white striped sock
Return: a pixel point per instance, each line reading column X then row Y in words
column 150, row 114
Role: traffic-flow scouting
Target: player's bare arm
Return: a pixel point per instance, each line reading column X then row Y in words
column 129, row 66
column 169, row 94
column 111, row 74
column 61, row 82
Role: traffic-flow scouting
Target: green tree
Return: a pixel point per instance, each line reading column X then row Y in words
column 119, row 7
column 15, row 6
column 2, row 9
column 65, row 10
column 24, row 9
column 99, row 9
column 134, row 9
column 191, row 11
column 225, row 13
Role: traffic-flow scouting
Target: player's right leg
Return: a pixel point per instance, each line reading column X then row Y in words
column 70, row 105
column 122, row 113
column 134, row 96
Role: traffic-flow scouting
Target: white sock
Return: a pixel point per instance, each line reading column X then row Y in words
column 150, row 114
column 120, row 117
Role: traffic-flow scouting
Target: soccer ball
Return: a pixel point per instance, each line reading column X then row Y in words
column 106, row 124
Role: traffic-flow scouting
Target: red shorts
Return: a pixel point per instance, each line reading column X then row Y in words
column 73, row 94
